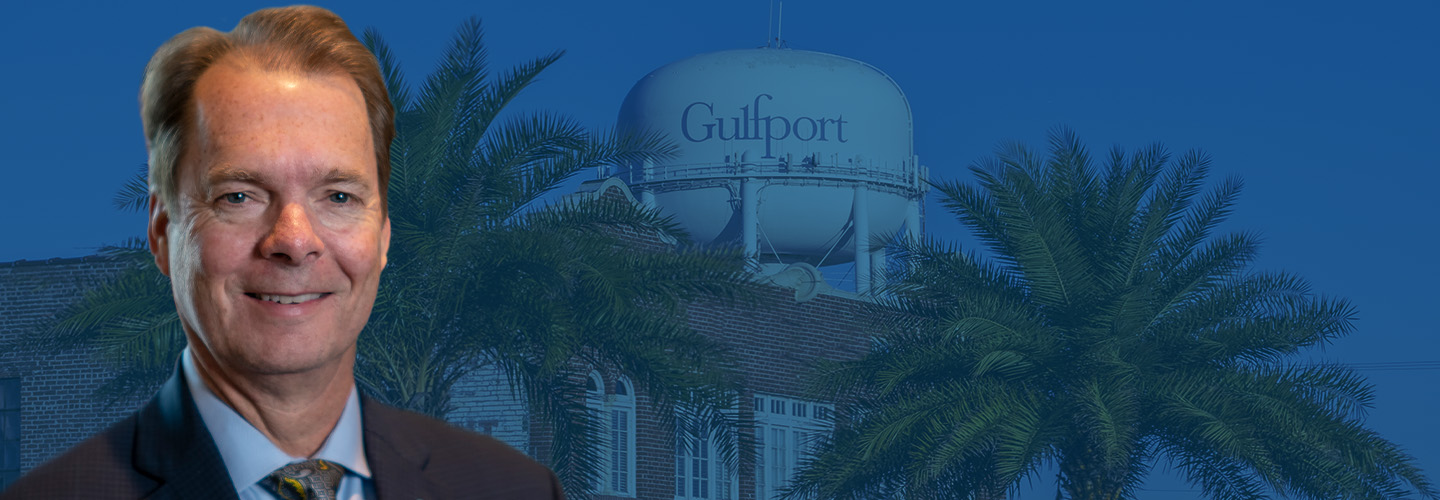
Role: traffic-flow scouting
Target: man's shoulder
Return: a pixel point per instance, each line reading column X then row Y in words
column 439, row 438
column 99, row 467
column 466, row 460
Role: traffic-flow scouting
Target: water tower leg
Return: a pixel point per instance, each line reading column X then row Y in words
column 912, row 219
column 750, row 219
column 877, row 267
column 860, row 213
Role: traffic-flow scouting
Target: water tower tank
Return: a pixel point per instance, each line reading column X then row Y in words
column 796, row 156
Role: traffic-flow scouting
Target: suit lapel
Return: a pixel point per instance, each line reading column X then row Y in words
column 397, row 464
column 173, row 446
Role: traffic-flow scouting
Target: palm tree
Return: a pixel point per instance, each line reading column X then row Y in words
column 1103, row 329
column 547, row 295
column 482, row 272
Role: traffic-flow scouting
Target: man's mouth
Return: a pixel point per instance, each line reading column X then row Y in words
column 286, row 299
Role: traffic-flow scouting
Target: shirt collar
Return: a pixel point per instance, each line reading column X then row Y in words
column 249, row 456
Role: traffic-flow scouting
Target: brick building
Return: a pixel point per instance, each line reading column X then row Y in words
column 45, row 403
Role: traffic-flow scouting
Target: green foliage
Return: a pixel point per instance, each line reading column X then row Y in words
column 481, row 273
column 1104, row 329
column 546, row 295
column 130, row 321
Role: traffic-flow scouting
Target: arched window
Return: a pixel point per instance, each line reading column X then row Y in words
column 593, row 383
column 704, row 470
column 612, row 405
column 701, row 472
column 621, row 406
column 595, row 401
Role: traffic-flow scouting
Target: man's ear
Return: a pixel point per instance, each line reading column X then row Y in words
column 385, row 242
column 156, row 233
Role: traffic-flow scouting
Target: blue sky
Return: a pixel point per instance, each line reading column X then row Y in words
column 1327, row 110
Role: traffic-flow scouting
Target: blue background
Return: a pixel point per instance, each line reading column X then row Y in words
column 1328, row 111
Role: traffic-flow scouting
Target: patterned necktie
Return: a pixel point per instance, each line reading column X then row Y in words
column 312, row 479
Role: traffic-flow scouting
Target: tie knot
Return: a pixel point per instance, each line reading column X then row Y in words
column 312, row 479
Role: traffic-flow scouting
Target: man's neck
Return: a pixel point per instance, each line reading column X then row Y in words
column 295, row 411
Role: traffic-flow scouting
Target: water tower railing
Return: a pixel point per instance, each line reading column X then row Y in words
column 907, row 175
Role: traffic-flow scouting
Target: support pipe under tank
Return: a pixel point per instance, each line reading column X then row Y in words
column 912, row 218
column 860, row 213
column 749, row 211
column 877, row 268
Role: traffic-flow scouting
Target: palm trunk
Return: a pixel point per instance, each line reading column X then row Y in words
column 1086, row 479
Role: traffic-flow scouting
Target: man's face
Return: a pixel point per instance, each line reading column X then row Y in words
column 275, row 247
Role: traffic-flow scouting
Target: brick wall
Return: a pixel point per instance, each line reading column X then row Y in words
column 56, row 410
column 484, row 403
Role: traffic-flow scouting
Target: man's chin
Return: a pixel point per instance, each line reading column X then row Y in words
column 271, row 364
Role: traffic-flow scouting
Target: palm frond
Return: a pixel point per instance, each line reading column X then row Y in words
column 1105, row 328
column 390, row 68
column 134, row 196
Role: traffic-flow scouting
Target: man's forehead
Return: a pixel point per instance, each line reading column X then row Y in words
column 272, row 127
column 257, row 61
column 234, row 82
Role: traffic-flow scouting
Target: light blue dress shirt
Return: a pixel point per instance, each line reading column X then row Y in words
column 249, row 456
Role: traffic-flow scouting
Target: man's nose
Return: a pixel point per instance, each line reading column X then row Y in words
column 292, row 239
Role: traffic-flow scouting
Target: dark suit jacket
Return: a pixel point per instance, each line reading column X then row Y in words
column 164, row 451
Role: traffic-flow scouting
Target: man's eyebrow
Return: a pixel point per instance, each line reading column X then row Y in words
column 337, row 176
column 229, row 173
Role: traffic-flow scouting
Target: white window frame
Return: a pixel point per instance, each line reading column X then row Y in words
column 613, row 407
column 595, row 402
column 786, row 430
column 697, row 449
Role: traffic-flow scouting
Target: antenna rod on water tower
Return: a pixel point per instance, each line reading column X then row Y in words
column 770, row 23
column 780, row 28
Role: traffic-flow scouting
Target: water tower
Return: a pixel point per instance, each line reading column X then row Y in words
column 796, row 156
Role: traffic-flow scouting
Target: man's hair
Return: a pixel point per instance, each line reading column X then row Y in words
column 302, row 39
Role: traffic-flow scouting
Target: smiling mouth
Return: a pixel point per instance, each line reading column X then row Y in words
column 286, row 299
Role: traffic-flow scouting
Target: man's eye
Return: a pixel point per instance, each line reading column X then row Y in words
column 340, row 197
column 236, row 198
